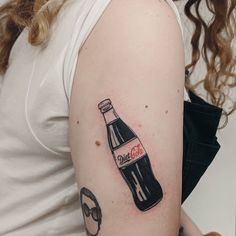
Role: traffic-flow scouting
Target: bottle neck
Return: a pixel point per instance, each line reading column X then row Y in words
column 110, row 116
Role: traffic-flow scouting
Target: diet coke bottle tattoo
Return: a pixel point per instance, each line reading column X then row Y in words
column 131, row 159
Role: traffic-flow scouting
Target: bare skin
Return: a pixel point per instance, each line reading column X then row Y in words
column 190, row 228
column 127, row 68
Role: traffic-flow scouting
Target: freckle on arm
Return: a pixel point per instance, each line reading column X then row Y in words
column 98, row 143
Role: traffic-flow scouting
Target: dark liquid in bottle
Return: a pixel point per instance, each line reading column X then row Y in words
column 139, row 176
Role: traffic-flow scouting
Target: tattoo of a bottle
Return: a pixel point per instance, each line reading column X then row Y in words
column 91, row 212
column 131, row 159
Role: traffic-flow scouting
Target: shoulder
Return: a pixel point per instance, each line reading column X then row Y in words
column 139, row 17
column 129, row 24
column 134, row 38
column 133, row 33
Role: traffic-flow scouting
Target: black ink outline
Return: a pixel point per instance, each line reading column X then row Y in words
column 146, row 190
column 96, row 212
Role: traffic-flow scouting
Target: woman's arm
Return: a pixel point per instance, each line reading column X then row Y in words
column 129, row 174
column 189, row 227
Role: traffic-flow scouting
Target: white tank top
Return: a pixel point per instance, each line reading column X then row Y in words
column 38, row 194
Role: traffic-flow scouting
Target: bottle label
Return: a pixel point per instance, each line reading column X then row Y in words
column 129, row 153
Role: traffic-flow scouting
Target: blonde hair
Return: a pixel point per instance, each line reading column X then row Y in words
column 217, row 51
column 15, row 15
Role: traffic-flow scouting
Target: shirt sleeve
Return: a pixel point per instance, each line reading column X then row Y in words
column 82, row 28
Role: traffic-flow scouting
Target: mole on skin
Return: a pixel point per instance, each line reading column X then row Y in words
column 97, row 143
column 77, row 122
column 166, row 111
column 146, row 106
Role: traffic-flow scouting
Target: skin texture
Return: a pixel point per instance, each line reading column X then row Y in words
column 190, row 229
column 140, row 67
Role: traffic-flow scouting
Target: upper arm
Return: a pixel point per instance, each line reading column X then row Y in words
column 134, row 57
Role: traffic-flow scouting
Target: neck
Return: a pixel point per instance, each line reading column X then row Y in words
column 110, row 116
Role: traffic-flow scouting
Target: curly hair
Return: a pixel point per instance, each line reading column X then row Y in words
column 216, row 49
column 15, row 15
